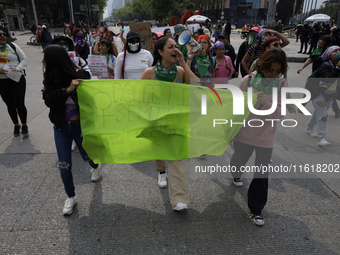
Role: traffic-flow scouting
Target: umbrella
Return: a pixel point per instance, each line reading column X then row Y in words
column 318, row 17
column 198, row 18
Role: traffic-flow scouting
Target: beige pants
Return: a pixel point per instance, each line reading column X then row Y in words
column 178, row 186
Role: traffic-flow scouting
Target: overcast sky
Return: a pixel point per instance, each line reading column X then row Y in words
column 107, row 14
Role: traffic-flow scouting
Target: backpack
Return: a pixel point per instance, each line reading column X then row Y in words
column 313, row 84
column 15, row 50
column 47, row 37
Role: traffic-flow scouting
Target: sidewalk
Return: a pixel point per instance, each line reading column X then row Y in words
column 127, row 213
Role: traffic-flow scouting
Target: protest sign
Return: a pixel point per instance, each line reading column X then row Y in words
column 98, row 66
column 144, row 29
column 127, row 121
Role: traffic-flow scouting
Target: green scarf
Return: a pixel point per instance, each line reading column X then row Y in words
column 3, row 47
column 262, row 84
column 165, row 74
column 263, row 40
column 202, row 64
column 252, row 39
column 317, row 52
column 107, row 56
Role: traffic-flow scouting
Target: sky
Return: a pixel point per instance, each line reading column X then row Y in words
column 107, row 14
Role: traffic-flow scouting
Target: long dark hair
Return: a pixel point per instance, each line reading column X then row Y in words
column 109, row 45
column 159, row 45
column 60, row 69
column 165, row 31
column 328, row 42
column 270, row 57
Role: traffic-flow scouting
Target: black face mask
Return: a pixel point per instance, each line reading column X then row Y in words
column 133, row 45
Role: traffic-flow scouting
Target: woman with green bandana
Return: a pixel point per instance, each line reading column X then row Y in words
column 202, row 64
column 260, row 137
column 106, row 49
column 164, row 68
column 13, row 59
column 255, row 50
column 315, row 58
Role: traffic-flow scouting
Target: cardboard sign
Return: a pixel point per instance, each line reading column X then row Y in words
column 98, row 66
column 144, row 29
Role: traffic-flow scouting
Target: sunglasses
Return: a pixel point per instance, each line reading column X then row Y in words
column 203, row 42
column 2, row 34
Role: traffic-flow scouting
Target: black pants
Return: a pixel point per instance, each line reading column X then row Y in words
column 258, row 189
column 13, row 94
column 313, row 45
column 304, row 42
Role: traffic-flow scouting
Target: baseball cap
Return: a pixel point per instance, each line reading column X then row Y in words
column 222, row 35
column 256, row 29
column 43, row 26
column 132, row 34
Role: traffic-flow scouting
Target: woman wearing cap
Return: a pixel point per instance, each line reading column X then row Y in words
column 201, row 63
column 132, row 62
column 251, row 39
column 45, row 37
column 165, row 69
column 324, row 95
column 12, row 92
column 255, row 51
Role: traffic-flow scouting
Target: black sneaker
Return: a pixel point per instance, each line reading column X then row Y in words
column 238, row 182
column 337, row 114
column 256, row 219
column 16, row 132
column 24, row 130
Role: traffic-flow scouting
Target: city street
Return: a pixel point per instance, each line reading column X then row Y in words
column 127, row 213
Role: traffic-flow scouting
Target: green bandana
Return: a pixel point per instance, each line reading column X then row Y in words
column 65, row 46
column 252, row 39
column 107, row 56
column 202, row 64
column 165, row 74
column 3, row 47
column 317, row 52
column 262, row 84
column 264, row 39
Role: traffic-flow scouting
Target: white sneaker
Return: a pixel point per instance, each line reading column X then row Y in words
column 256, row 219
column 238, row 182
column 323, row 142
column 73, row 146
column 311, row 133
column 180, row 206
column 69, row 204
column 162, row 182
column 96, row 173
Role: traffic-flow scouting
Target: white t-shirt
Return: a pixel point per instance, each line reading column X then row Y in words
column 135, row 64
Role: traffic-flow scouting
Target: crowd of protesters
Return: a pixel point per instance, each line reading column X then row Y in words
column 261, row 61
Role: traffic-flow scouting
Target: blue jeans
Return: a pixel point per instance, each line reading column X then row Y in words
column 216, row 34
column 63, row 141
column 319, row 117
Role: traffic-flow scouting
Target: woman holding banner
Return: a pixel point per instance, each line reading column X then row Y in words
column 60, row 82
column 164, row 68
column 256, row 138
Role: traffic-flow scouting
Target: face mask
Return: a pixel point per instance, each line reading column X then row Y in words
column 79, row 38
column 134, row 47
column 263, row 40
column 252, row 39
column 65, row 46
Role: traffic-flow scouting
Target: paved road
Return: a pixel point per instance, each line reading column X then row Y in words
column 126, row 212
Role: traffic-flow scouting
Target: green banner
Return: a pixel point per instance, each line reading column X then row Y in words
column 128, row 121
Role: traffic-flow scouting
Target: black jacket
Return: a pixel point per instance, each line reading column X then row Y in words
column 327, row 74
column 55, row 100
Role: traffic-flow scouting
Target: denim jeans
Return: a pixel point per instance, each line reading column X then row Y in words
column 319, row 117
column 63, row 141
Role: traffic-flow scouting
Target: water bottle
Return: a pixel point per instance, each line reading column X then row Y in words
column 337, row 56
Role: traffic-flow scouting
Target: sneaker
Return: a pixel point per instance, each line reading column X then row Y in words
column 16, row 132
column 311, row 133
column 323, row 142
column 73, row 146
column 24, row 130
column 162, row 182
column 180, row 206
column 96, row 173
column 238, row 182
column 69, row 204
column 202, row 156
column 337, row 114
column 256, row 219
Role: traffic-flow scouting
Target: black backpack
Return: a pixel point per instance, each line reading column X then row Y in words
column 15, row 50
